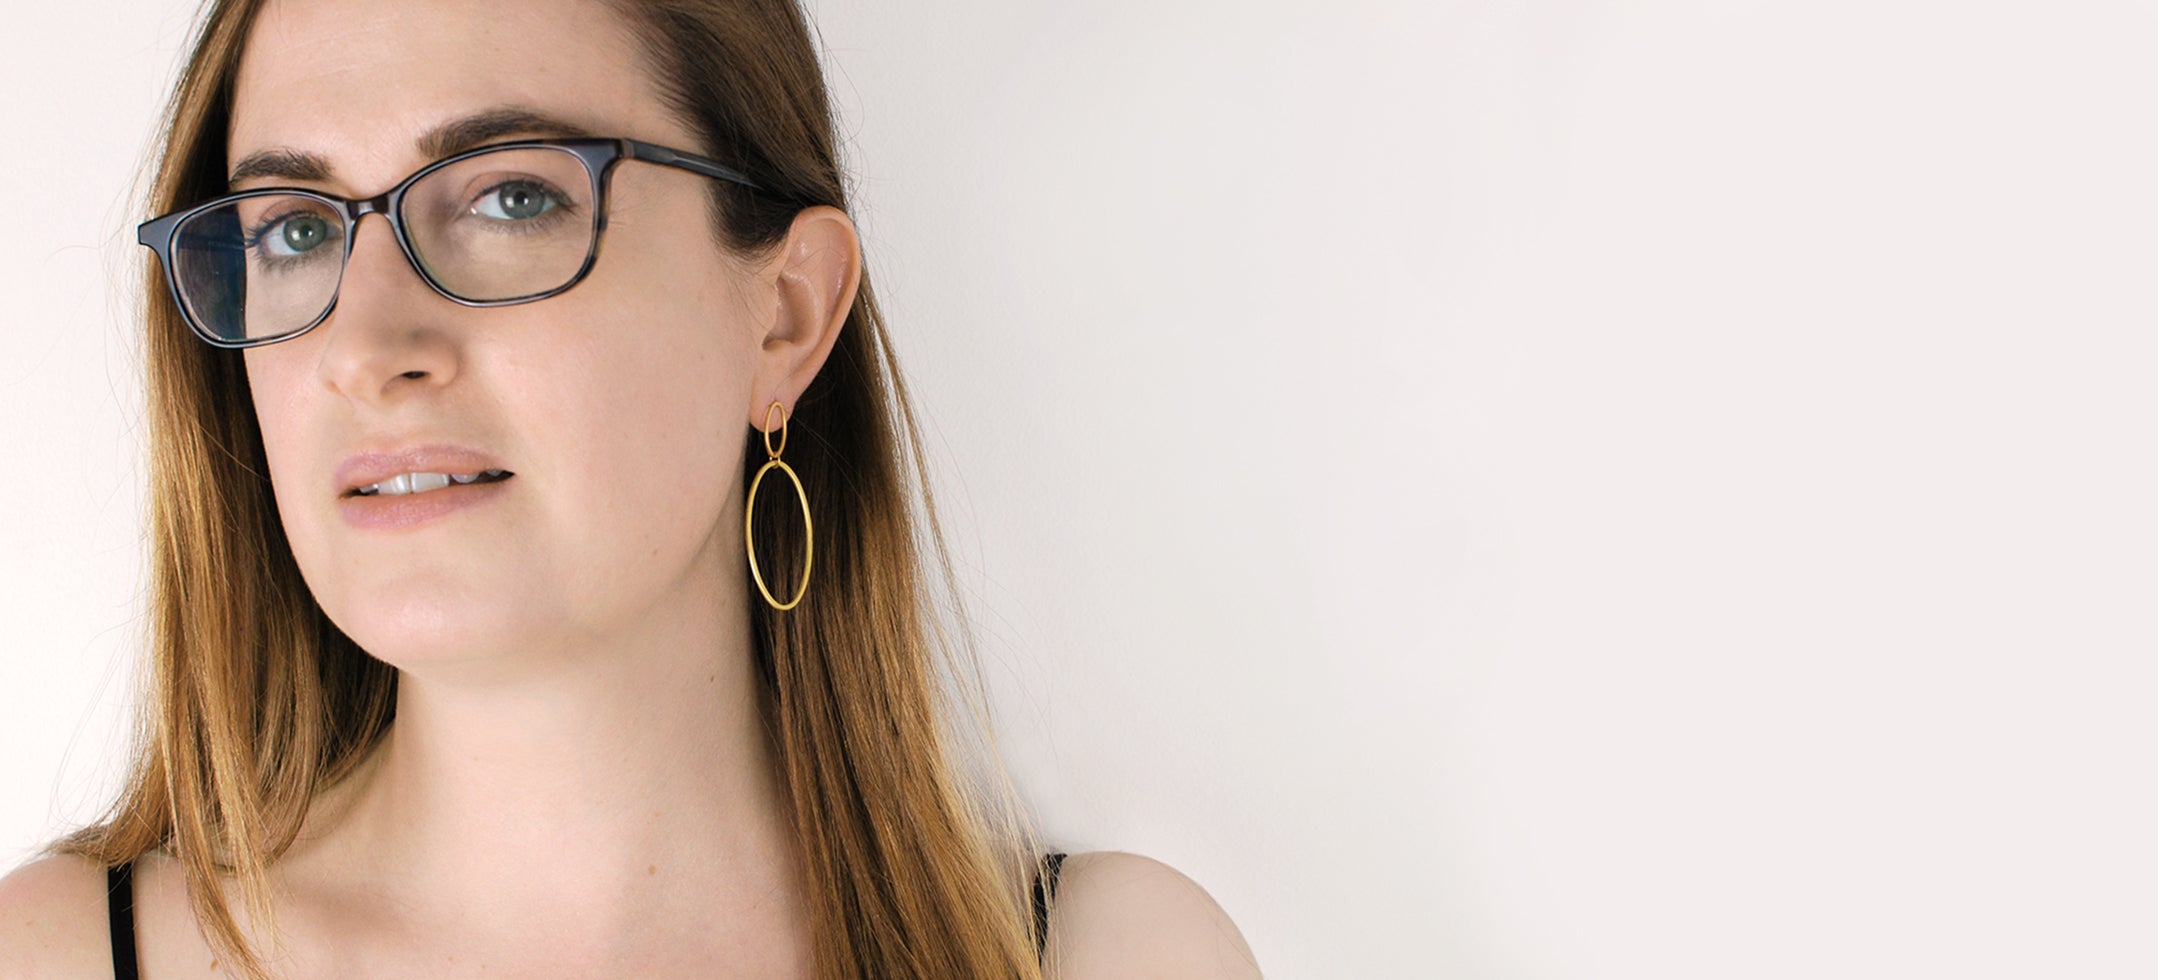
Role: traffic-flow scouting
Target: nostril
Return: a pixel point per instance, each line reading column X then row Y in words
column 415, row 375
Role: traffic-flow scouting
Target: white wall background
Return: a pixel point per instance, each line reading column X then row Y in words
column 1491, row 489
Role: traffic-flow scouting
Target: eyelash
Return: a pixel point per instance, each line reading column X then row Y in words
column 563, row 209
column 253, row 239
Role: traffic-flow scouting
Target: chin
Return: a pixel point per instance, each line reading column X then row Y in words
column 419, row 630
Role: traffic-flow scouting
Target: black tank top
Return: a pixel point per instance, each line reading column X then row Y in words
column 120, row 910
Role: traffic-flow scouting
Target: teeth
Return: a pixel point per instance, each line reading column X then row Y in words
column 407, row 483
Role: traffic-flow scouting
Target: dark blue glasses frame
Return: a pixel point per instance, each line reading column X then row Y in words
column 598, row 155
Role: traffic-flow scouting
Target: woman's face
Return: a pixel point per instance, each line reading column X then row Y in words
column 619, row 406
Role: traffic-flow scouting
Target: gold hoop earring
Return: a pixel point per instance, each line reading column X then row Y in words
column 809, row 538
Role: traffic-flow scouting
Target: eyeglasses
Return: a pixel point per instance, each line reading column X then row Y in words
column 496, row 226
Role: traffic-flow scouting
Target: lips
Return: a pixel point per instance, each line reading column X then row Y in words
column 369, row 468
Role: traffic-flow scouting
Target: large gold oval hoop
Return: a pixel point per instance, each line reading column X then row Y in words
column 809, row 536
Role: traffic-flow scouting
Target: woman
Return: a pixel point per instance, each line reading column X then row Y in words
column 461, row 666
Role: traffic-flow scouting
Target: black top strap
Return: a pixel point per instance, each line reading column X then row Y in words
column 120, row 908
column 1051, row 865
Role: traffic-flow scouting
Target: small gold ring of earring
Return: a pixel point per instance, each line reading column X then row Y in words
column 782, row 410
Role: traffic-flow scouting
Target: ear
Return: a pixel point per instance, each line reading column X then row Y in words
column 813, row 277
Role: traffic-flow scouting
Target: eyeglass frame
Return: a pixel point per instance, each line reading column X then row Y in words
column 599, row 155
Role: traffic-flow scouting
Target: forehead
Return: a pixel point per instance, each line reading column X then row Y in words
column 358, row 81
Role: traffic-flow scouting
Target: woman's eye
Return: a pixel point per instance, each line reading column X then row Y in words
column 516, row 200
column 296, row 235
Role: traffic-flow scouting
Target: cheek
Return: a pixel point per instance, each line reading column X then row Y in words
column 283, row 422
column 644, row 434
column 659, row 333
column 651, row 431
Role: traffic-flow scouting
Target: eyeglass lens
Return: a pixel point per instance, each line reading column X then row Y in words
column 497, row 226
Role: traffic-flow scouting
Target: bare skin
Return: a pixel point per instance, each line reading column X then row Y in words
column 576, row 783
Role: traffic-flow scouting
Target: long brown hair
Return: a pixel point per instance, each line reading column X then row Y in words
column 255, row 702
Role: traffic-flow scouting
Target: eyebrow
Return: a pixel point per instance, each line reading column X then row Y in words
column 446, row 140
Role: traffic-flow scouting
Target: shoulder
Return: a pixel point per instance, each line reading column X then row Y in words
column 1118, row 914
column 53, row 921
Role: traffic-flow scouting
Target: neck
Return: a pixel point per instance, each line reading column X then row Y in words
column 592, row 793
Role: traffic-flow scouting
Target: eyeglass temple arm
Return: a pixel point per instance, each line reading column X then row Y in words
column 655, row 153
column 155, row 232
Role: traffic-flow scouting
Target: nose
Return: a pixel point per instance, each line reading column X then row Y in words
column 389, row 335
